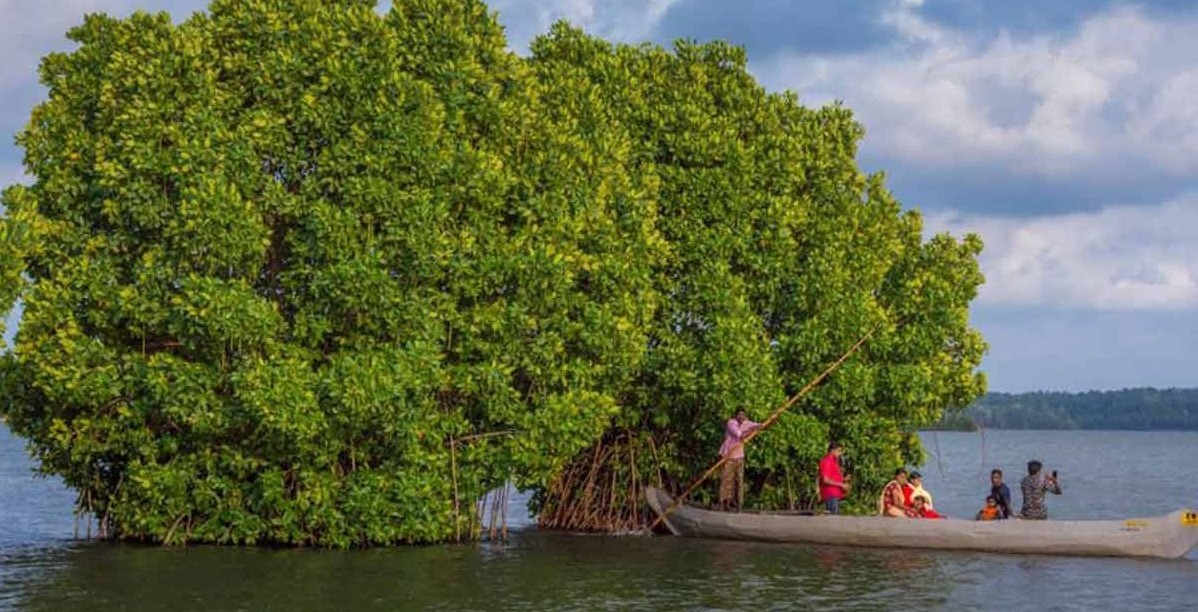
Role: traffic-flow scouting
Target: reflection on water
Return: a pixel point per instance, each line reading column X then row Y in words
column 43, row 570
column 563, row 572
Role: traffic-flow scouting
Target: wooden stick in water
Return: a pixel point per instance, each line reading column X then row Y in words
column 503, row 510
column 453, row 473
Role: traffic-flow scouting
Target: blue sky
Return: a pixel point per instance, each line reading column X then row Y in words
column 1064, row 132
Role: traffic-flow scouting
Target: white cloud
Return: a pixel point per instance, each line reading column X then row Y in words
column 1120, row 87
column 614, row 20
column 1120, row 258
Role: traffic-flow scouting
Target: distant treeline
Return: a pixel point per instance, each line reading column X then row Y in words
column 1143, row 409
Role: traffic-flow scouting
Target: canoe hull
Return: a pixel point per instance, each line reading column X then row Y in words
column 1169, row 536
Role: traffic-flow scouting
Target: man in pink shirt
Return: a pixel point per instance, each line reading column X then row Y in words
column 732, row 478
column 832, row 486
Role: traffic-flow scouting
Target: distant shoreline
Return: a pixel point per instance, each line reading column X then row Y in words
column 978, row 429
column 1141, row 409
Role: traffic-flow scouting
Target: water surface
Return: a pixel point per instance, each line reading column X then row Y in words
column 1105, row 474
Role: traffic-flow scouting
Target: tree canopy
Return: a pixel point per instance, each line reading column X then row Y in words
column 296, row 271
column 783, row 253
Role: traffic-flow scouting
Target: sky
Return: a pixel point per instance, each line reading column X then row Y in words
column 1065, row 133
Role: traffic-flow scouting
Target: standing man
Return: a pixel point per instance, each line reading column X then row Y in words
column 732, row 477
column 1001, row 494
column 1034, row 486
column 832, row 486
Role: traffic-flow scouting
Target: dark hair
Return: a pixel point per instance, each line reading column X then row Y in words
column 996, row 472
column 1034, row 467
column 991, row 498
column 915, row 475
column 833, row 445
column 740, row 410
column 900, row 471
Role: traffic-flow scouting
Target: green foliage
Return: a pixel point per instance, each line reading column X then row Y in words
column 287, row 252
column 782, row 254
column 14, row 236
column 298, row 272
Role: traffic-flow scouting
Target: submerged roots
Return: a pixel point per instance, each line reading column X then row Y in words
column 603, row 491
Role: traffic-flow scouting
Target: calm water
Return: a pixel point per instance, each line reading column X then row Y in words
column 1105, row 474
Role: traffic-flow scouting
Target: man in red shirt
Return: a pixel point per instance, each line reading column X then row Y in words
column 832, row 486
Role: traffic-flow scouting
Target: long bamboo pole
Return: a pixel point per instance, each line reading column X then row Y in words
column 453, row 473
column 766, row 424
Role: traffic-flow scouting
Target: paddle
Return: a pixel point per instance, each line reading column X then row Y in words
column 766, row 424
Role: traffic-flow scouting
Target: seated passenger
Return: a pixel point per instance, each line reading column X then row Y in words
column 895, row 495
column 991, row 511
column 917, row 488
column 921, row 509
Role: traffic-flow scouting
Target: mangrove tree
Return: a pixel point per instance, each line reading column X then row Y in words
column 301, row 272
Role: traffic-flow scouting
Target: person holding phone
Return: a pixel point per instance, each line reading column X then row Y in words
column 1034, row 486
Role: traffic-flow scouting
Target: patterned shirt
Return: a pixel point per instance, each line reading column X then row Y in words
column 1034, row 488
column 734, row 434
column 895, row 494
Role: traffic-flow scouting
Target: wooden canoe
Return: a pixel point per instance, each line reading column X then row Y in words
column 1170, row 536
